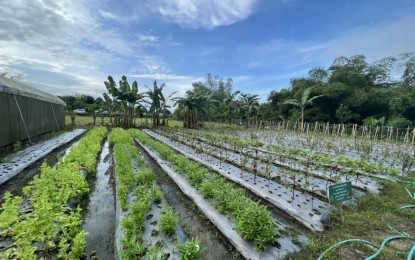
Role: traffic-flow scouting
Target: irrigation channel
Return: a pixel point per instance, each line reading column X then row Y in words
column 99, row 216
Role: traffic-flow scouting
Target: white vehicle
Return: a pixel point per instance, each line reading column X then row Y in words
column 80, row 111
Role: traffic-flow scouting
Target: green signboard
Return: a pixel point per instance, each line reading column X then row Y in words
column 340, row 192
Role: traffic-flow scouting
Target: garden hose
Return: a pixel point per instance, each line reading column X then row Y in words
column 353, row 240
column 411, row 253
column 394, row 229
column 402, row 235
column 412, row 195
column 387, row 240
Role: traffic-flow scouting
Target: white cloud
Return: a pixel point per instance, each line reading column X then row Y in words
column 375, row 41
column 61, row 39
column 147, row 38
column 159, row 76
column 204, row 14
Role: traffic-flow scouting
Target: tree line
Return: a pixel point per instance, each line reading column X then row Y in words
column 350, row 90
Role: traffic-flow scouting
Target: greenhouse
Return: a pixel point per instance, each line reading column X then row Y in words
column 26, row 112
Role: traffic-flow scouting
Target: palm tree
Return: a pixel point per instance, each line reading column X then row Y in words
column 302, row 103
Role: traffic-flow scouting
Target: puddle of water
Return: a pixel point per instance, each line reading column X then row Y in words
column 217, row 247
column 99, row 216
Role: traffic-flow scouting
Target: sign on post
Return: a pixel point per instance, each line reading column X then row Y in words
column 340, row 192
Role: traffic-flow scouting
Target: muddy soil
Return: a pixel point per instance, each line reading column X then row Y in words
column 99, row 210
column 21, row 180
column 196, row 225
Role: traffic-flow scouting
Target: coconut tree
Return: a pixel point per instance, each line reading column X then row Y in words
column 302, row 103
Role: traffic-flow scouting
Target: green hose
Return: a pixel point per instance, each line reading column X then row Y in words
column 383, row 245
column 412, row 195
column 394, row 229
column 411, row 253
column 387, row 240
column 344, row 242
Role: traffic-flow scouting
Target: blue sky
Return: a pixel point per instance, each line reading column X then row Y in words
column 70, row 46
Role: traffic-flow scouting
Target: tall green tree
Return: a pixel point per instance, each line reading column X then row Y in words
column 232, row 105
column 190, row 106
column 157, row 99
column 250, row 107
column 127, row 95
column 109, row 103
column 302, row 103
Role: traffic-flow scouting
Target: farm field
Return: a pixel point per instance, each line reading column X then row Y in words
column 175, row 193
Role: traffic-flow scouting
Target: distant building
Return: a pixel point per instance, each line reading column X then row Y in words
column 26, row 112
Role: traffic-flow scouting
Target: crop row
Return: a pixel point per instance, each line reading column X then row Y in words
column 253, row 221
column 139, row 195
column 309, row 211
column 298, row 154
column 271, row 165
column 265, row 165
column 47, row 220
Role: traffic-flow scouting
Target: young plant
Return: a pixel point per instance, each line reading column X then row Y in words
column 168, row 221
column 191, row 250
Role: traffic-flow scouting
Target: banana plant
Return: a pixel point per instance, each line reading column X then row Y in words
column 302, row 104
column 127, row 95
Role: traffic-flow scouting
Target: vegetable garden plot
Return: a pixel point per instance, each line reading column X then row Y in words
column 243, row 153
column 15, row 163
column 146, row 226
column 47, row 221
column 252, row 221
column 379, row 153
column 215, row 245
column 309, row 211
column 265, row 165
column 312, row 155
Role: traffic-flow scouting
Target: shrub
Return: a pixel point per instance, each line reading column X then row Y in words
column 400, row 122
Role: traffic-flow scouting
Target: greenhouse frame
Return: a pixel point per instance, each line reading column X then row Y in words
column 26, row 112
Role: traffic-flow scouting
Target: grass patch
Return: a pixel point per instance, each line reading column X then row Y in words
column 368, row 220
